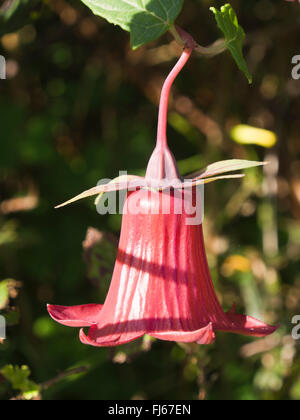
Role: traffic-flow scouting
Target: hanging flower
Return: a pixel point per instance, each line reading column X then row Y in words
column 161, row 285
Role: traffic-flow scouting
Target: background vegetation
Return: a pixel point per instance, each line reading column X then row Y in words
column 79, row 105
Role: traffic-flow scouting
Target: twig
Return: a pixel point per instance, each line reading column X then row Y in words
column 46, row 385
column 82, row 369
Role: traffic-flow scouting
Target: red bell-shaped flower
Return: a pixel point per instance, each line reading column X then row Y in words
column 161, row 283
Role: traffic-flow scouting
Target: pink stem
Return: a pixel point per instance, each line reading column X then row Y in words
column 164, row 100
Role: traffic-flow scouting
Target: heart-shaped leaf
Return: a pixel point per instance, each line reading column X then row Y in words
column 146, row 20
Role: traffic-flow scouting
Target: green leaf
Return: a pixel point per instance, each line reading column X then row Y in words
column 18, row 377
column 146, row 20
column 234, row 35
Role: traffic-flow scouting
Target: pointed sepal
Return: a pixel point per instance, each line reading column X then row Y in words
column 225, row 166
column 131, row 182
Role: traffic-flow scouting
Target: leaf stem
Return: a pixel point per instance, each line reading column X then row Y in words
column 214, row 49
column 185, row 39
column 176, row 35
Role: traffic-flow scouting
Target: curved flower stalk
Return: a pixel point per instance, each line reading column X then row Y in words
column 161, row 283
column 162, row 172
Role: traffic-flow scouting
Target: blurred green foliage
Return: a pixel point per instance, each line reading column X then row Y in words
column 18, row 377
column 77, row 106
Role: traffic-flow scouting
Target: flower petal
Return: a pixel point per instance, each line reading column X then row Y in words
column 205, row 335
column 95, row 340
column 131, row 183
column 75, row 316
column 246, row 325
